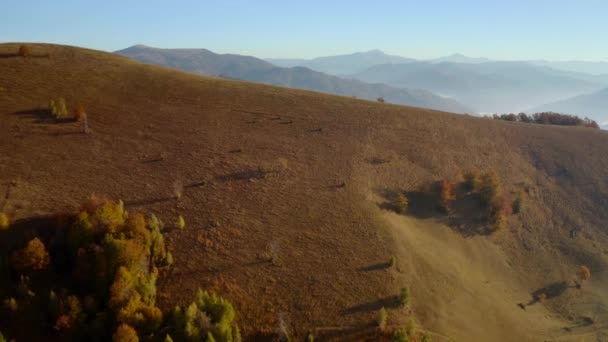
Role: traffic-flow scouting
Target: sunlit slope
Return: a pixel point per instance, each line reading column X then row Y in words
column 281, row 190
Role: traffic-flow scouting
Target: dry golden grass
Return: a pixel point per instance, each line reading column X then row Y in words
column 319, row 215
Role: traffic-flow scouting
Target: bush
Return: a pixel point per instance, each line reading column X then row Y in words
column 181, row 223
column 584, row 273
column 4, row 221
column 58, row 108
column 33, row 256
column 392, row 262
column 404, row 296
column 519, row 204
column 382, row 318
column 125, row 333
column 490, row 187
column 446, row 196
column 402, row 203
column 380, row 99
column 400, row 335
column 11, row 304
column 411, row 328
column 25, row 51
column 426, row 338
column 209, row 316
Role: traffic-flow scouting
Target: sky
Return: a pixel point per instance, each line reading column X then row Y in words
column 497, row 29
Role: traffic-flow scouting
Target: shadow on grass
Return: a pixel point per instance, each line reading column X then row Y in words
column 16, row 55
column 467, row 216
column 375, row 267
column 243, row 175
column 390, row 302
column 42, row 116
column 552, row 290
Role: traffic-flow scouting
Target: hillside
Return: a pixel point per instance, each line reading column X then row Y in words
column 305, row 177
column 594, row 105
column 246, row 68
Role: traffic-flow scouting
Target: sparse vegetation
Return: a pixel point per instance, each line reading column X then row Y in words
column 382, row 319
column 181, row 223
column 392, row 262
column 404, row 296
column 25, row 51
column 410, row 328
column 426, row 338
column 400, row 335
column 4, row 221
column 402, row 202
column 208, row 317
column 520, row 202
column 58, row 108
column 584, row 273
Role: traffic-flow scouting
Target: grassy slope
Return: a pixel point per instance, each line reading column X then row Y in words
column 323, row 235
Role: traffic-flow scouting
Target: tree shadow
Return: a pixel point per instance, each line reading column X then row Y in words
column 390, row 302
column 466, row 214
column 42, row 116
column 552, row 290
column 243, row 175
column 375, row 267
column 16, row 55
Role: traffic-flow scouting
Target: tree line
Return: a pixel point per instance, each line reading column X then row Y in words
column 548, row 118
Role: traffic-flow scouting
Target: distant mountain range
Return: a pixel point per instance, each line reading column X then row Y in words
column 455, row 83
column 485, row 86
column 343, row 64
column 252, row 69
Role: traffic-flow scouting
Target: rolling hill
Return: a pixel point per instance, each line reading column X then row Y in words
column 307, row 178
column 594, row 105
column 246, row 68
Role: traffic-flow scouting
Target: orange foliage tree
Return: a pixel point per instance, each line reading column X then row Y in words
column 33, row 256
column 446, row 196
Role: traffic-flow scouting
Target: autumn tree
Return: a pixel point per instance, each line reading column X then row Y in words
column 446, row 196
column 33, row 256
column 584, row 273
column 125, row 333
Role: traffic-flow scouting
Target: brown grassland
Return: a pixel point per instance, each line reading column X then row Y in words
column 284, row 193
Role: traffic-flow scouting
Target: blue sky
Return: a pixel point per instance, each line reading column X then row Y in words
column 500, row 29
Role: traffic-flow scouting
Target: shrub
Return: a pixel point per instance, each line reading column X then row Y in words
column 519, row 204
column 25, row 51
column 392, row 262
column 310, row 337
column 426, row 338
column 542, row 297
column 584, row 273
column 400, row 335
column 11, row 304
column 58, row 108
column 402, row 203
column 404, row 296
column 490, row 187
column 168, row 338
column 33, row 256
column 380, row 99
column 410, row 328
column 446, row 196
column 181, row 223
column 382, row 318
column 125, row 333
column 4, row 221
column 209, row 316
